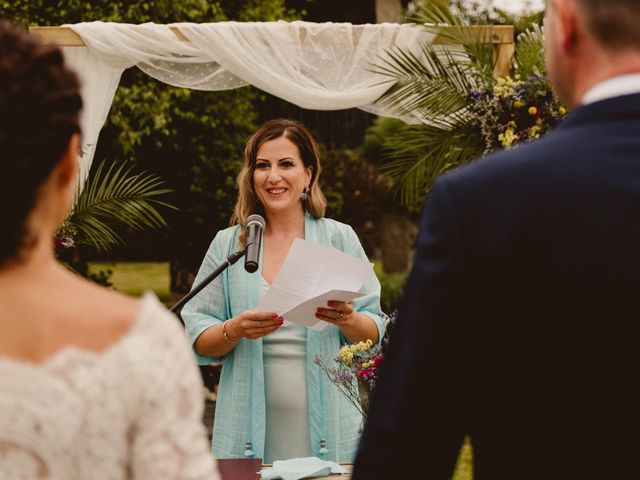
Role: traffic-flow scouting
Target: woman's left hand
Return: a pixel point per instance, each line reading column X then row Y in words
column 338, row 313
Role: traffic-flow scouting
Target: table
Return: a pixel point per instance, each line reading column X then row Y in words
column 249, row 469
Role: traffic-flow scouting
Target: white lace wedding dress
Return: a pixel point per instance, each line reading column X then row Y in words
column 132, row 411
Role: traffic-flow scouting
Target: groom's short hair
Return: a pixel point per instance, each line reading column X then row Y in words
column 614, row 23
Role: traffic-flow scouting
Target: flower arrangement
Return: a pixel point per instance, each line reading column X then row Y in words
column 511, row 111
column 355, row 372
column 64, row 238
column 458, row 107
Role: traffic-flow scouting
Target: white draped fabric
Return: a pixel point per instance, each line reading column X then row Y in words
column 99, row 81
column 320, row 66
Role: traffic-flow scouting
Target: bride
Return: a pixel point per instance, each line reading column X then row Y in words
column 94, row 384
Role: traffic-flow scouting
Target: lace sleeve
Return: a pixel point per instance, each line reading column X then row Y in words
column 169, row 439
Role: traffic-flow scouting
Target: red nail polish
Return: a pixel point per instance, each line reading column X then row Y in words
column 280, row 320
column 274, row 315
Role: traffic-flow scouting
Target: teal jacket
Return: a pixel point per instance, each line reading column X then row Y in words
column 239, row 427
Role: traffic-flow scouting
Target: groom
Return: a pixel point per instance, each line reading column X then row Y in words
column 521, row 320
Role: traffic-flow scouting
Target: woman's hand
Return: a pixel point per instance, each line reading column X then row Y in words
column 251, row 324
column 338, row 313
column 354, row 325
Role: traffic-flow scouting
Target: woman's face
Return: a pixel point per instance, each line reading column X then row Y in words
column 280, row 175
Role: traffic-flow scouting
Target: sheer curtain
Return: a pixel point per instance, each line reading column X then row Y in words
column 320, row 66
column 99, row 81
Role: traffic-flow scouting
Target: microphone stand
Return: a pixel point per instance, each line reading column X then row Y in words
column 230, row 260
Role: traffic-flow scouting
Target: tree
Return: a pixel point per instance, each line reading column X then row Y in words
column 193, row 139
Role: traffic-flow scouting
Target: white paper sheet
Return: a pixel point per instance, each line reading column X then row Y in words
column 310, row 276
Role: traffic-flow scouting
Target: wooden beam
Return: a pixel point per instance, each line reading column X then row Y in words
column 61, row 36
column 496, row 34
column 501, row 36
column 66, row 37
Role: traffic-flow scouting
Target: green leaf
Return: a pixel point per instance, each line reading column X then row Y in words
column 117, row 196
column 530, row 51
column 421, row 153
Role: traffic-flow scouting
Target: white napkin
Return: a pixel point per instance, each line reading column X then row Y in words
column 296, row 468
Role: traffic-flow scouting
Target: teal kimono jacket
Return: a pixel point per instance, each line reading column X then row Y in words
column 239, row 426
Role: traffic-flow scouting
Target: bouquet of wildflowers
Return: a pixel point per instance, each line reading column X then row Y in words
column 460, row 107
column 512, row 110
column 355, row 372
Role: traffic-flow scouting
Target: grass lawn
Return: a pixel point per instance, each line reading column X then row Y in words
column 134, row 278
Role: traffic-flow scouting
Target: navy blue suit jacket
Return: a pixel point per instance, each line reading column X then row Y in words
column 521, row 319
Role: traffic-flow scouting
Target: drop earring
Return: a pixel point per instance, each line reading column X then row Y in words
column 304, row 196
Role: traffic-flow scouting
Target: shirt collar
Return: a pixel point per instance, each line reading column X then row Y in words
column 613, row 87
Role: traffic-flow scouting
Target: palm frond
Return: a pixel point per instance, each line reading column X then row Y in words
column 429, row 89
column 436, row 13
column 421, row 153
column 117, row 196
column 436, row 17
column 450, row 87
column 530, row 51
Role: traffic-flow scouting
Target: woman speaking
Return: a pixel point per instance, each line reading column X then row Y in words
column 273, row 401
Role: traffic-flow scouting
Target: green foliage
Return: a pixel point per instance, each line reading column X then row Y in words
column 437, row 17
column 421, row 153
column 58, row 12
column 529, row 51
column 115, row 195
column 484, row 13
column 376, row 135
column 356, row 192
column 441, row 78
column 193, row 139
column 441, row 89
column 392, row 285
column 101, row 277
column 263, row 11
column 135, row 278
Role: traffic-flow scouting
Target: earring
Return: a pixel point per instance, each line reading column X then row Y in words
column 304, row 196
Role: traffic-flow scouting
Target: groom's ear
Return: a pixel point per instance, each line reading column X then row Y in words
column 572, row 25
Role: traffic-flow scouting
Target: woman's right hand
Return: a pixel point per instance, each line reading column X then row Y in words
column 252, row 324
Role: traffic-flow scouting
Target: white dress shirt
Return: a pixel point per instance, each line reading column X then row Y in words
column 613, row 87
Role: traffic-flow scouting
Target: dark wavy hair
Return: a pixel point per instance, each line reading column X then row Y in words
column 39, row 112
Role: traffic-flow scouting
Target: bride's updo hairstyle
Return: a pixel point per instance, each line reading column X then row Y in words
column 39, row 107
column 248, row 203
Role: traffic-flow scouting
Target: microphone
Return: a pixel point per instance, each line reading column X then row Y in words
column 255, row 226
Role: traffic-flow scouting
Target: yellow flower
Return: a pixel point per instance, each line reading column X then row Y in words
column 533, row 111
column 346, row 355
column 362, row 346
column 534, row 132
column 518, row 104
column 562, row 111
column 508, row 137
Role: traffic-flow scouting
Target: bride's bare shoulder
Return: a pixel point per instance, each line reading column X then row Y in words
column 106, row 313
